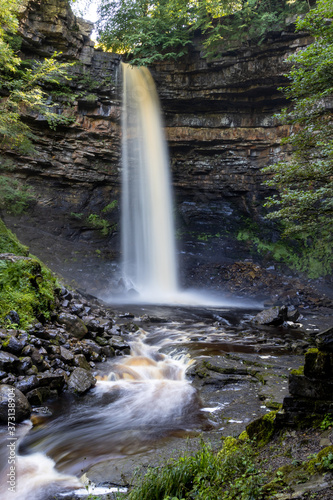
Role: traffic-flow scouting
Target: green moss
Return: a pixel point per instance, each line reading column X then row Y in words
column 312, row 350
column 298, row 371
column 322, row 461
column 243, row 436
column 9, row 242
column 262, row 429
column 27, row 287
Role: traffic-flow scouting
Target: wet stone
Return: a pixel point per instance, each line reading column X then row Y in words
column 8, row 361
column 66, row 355
column 32, row 371
column 318, row 364
column 73, row 324
column 54, row 380
column 37, row 356
column 38, row 396
column 25, row 364
column 81, row 380
column 93, row 324
column 108, row 351
column 10, row 395
column 304, row 387
column 76, row 308
column 93, row 346
column 324, row 340
column 273, row 316
column 27, row 384
column 293, row 313
column 81, row 361
column 10, row 379
column 118, row 342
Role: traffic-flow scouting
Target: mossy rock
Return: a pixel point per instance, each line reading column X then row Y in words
column 27, row 287
column 318, row 364
column 262, row 429
column 298, row 371
column 319, row 464
column 9, row 242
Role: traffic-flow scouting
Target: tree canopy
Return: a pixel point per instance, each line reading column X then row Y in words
column 21, row 83
column 153, row 30
column 304, row 203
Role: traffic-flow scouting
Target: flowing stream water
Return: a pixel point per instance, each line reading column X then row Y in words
column 146, row 402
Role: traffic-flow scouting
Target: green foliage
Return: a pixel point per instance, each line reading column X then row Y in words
column 302, row 253
column 21, row 84
column 327, row 422
column 249, row 23
column 27, row 288
column 9, row 242
column 305, row 182
column 151, row 30
column 77, row 215
column 225, row 475
column 98, row 223
column 111, row 206
column 26, row 285
column 14, row 195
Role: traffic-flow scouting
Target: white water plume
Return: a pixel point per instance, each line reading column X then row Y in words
column 149, row 256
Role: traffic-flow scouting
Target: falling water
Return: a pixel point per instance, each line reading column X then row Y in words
column 149, row 257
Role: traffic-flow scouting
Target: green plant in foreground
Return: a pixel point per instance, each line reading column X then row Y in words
column 226, row 475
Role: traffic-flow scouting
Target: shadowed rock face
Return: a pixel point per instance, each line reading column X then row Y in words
column 219, row 124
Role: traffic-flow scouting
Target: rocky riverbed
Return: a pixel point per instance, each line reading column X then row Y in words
column 243, row 358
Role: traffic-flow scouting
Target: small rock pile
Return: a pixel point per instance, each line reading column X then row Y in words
column 58, row 355
column 249, row 279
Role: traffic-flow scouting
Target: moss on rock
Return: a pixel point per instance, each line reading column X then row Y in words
column 262, row 429
column 9, row 242
column 27, row 287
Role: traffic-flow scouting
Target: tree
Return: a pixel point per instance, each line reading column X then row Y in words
column 305, row 181
column 304, row 203
column 21, row 83
column 153, row 30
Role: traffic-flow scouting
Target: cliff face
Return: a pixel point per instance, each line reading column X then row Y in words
column 219, row 124
column 221, row 128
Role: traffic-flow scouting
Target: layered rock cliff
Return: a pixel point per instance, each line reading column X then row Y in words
column 220, row 128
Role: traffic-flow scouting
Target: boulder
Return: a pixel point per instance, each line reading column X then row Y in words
column 15, row 344
column 324, row 340
column 53, row 380
column 8, row 361
column 81, row 361
column 276, row 315
column 14, row 403
column 66, row 355
column 81, row 380
column 73, row 324
column 27, row 384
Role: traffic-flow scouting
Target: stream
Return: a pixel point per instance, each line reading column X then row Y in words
column 206, row 372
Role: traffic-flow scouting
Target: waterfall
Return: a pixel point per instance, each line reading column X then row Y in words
column 148, row 243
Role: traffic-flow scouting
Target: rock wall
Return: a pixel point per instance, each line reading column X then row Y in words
column 220, row 128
